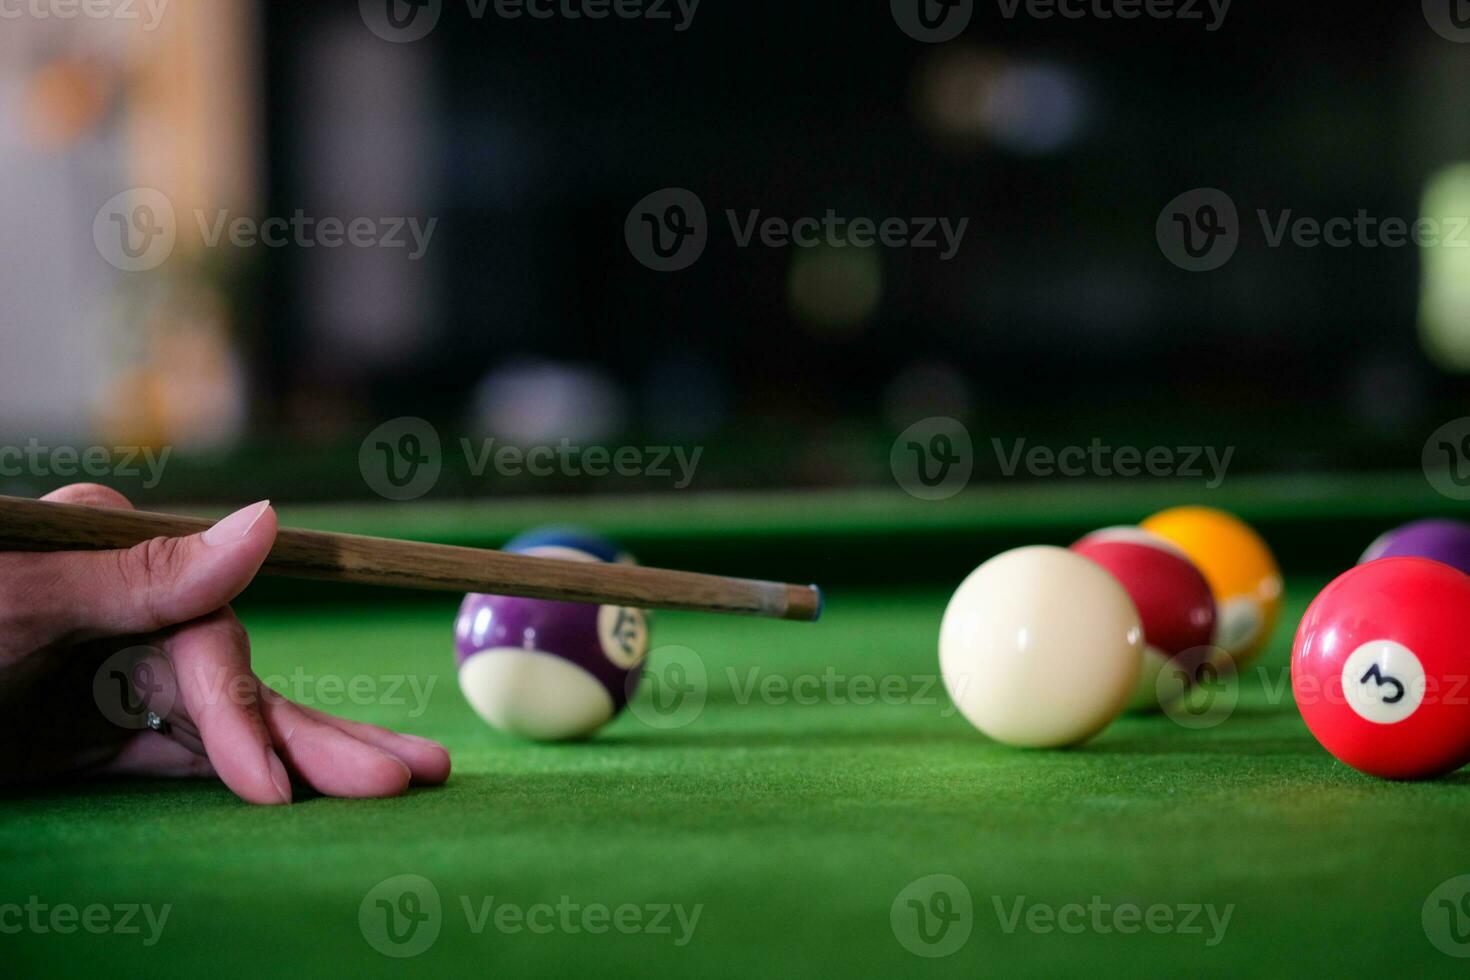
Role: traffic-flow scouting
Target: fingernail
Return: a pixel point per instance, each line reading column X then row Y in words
column 420, row 740
column 237, row 525
column 278, row 775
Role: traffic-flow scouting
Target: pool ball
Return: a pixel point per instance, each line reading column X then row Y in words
column 1379, row 668
column 1442, row 540
column 1040, row 647
column 1242, row 573
column 1174, row 605
column 572, row 538
column 549, row 670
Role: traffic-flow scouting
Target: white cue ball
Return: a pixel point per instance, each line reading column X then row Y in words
column 1040, row 647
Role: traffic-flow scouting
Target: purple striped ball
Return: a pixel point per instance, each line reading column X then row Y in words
column 548, row 670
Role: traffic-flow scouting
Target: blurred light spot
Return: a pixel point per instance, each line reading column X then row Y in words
column 835, row 289
column 182, row 384
column 543, row 402
column 925, row 389
column 1028, row 107
column 64, row 99
column 1444, row 299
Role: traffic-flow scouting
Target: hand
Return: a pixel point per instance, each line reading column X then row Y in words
column 63, row 614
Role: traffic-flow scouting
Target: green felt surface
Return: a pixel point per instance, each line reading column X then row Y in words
column 792, row 826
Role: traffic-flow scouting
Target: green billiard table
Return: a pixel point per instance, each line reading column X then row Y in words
column 781, row 800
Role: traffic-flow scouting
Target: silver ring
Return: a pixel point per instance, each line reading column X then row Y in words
column 158, row 723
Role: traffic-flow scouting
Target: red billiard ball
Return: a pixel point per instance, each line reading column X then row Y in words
column 1380, row 668
column 1174, row 604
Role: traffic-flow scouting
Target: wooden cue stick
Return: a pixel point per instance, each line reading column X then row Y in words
column 35, row 525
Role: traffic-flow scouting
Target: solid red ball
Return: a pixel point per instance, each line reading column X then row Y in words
column 1173, row 600
column 1381, row 671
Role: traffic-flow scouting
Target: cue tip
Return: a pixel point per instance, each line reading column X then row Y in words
column 802, row 603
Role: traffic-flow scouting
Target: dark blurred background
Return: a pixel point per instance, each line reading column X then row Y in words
column 527, row 318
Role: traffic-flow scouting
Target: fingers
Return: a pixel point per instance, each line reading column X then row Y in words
column 90, row 495
column 151, row 754
column 218, row 691
column 331, row 760
column 71, row 596
column 427, row 761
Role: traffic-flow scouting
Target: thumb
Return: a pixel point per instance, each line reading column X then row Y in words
column 154, row 585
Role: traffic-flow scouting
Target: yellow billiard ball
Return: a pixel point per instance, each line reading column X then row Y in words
column 1242, row 573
